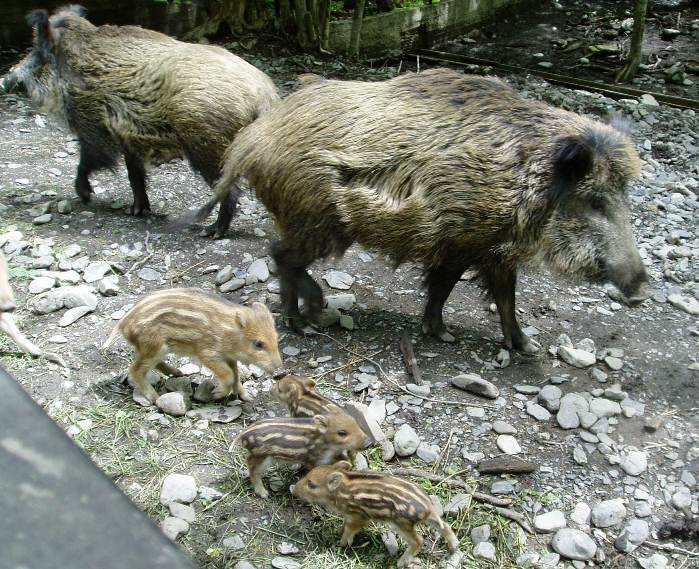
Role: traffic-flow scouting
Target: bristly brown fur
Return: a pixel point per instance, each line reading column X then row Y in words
column 189, row 322
column 124, row 90
column 443, row 169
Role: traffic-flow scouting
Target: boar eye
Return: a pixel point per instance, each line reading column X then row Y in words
column 597, row 204
column 312, row 485
column 258, row 345
column 342, row 433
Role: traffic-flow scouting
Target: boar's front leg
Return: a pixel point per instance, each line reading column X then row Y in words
column 137, row 179
column 500, row 282
column 440, row 282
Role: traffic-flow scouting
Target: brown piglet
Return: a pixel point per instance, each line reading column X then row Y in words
column 192, row 323
column 302, row 398
column 322, row 439
column 362, row 497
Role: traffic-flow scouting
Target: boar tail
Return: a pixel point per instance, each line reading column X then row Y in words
column 112, row 336
column 195, row 216
column 39, row 20
column 223, row 193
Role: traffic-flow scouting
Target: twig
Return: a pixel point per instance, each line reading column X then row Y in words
column 138, row 264
column 445, row 452
column 179, row 275
column 511, row 514
column 402, row 387
column 343, row 366
column 672, row 548
column 451, row 481
column 406, row 348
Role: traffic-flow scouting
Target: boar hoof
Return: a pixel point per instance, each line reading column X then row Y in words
column 137, row 210
column 527, row 346
column 211, row 231
column 262, row 492
column 440, row 334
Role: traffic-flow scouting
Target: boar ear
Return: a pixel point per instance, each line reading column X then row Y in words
column 572, row 161
column 333, row 480
column 321, row 422
column 76, row 9
column 39, row 20
column 620, row 123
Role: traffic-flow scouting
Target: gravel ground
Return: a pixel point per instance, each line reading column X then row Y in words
column 615, row 443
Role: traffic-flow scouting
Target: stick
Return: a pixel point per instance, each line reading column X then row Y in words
column 402, row 387
column 510, row 514
column 672, row 548
column 406, row 348
column 450, row 481
column 138, row 264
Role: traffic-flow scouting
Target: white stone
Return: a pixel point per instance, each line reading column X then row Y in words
column 173, row 404
column 550, row 521
column 576, row 358
column 608, row 513
column 73, row 314
column 474, row 383
column 406, row 440
column 581, row 514
column 178, row 488
column 508, row 444
column 41, row 284
column 174, row 527
column 633, row 535
column 485, row 550
column 95, row 271
column 574, row 544
column 259, row 270
column 338, row 280
column 634, row 462
column 689, row 305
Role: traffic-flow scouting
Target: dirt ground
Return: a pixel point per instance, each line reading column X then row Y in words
column 139, row 446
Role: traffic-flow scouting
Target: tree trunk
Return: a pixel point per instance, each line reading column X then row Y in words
column 629, row 70
column 356, row 32
column 324, row 25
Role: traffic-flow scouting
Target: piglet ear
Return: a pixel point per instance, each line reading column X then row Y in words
column 572, row 161
column 39, row 20
column 241, row 319
column 333, row 480
column 343, row 465
column 309, row 383
column 321, row 422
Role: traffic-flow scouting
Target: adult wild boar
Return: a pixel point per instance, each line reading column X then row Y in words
column 141, row 94
column 447, row 170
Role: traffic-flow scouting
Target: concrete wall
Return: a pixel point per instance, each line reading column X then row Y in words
column 406, row 28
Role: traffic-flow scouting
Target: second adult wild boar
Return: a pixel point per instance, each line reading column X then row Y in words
column 141, row 94
column 447, row 170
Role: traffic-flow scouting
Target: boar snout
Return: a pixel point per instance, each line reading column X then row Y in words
column 631, row 279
